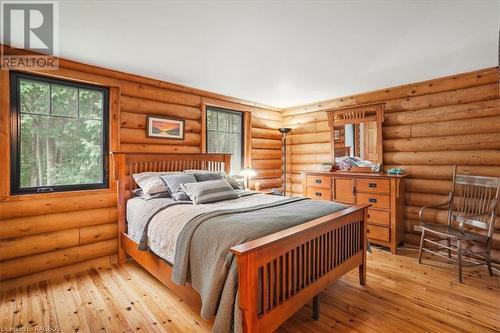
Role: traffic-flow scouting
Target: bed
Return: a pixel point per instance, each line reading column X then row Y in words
column 278, row 262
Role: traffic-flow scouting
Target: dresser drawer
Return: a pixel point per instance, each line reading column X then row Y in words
column 379, row 217
column 318, row 181
column 373, row 185
column 376, row 200
column 378, row 233
column 319, row 193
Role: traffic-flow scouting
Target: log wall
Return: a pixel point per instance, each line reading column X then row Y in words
column 43, row 235
column 428, row 127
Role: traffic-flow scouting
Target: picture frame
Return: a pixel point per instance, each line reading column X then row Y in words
column 336, row 135
column 165, row 127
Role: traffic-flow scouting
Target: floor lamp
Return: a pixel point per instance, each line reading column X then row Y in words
column 284, row 131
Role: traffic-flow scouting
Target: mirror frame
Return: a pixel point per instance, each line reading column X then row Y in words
column 356, row 115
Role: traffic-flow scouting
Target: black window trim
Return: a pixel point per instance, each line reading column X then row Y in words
column 15, row 168
column 242, row 115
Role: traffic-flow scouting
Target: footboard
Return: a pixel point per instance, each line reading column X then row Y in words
column 279, row 273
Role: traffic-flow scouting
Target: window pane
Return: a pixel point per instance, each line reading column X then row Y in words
column 225, row 136
column 211, row 120
column 64, row 101
column 35, row 97
column 65, row 146
column 235, row 123
column 60, row 151
column 90, row 104
column 223, row 121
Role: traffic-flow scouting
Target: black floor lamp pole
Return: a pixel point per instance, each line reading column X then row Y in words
column 284, row 131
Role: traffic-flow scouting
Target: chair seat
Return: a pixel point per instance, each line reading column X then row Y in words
column 449, row 231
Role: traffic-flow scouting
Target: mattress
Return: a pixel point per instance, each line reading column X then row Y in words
column 138, row 213
column 158, row 222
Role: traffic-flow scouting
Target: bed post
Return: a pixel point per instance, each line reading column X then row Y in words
column 364, row 242
column 120, row 166
column 246, row 285
column 315, row 308
column 227, row 163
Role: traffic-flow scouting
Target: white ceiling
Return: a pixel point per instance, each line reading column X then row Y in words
column 283, row 53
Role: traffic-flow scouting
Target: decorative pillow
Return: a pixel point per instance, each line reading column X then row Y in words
column 206, row 176
column 209, row 191
column 174, row 182
column 237, row 185
column 150, row 182
column 139, row 193
column 160, row 195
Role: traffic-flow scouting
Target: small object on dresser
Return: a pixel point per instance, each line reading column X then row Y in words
column 326, row 166
column 343, row 165
column 258, row 185
column 395, row 171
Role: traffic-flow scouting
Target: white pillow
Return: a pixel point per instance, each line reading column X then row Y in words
column 150, row 182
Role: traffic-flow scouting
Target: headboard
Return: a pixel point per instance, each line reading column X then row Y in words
column 126, row 164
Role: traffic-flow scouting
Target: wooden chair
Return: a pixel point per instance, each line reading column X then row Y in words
column 472, row 205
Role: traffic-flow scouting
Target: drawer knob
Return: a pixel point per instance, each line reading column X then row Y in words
column 372, row 200
column 372, row 185
column 318, row 194
column 317, row 181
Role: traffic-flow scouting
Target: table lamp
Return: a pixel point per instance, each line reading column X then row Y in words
column 248, row 173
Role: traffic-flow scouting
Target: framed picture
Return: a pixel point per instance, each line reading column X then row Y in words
column 336, row 135
column 165, row 128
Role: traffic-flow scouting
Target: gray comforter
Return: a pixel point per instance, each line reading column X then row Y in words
column 202, row 255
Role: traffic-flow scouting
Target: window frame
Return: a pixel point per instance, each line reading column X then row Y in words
column 15, row 158
column 229, row 111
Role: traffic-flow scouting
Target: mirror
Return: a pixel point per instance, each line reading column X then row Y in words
column 356, row 132
column 357, row 140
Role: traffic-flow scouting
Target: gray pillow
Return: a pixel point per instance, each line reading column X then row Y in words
column 209, row 191
column 206, row 176
column 160, row 195
column 138, row 192
column 236, row 184
column 150, row 182
column 174, row 182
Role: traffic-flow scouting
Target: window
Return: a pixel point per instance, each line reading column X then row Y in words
column 225, row 135
column 59, row 135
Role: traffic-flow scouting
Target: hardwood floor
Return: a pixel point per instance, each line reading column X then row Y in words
column 400, row 296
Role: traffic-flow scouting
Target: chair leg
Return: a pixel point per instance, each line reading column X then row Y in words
column 459, row 250
column 488, row 262
column 448, row 242
column 421, row 246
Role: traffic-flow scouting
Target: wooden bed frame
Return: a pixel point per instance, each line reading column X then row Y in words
column 291, row 266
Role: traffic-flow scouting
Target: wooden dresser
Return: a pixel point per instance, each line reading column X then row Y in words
column 384, row 192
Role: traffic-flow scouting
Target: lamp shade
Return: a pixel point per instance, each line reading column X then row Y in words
column 284, row 130
column 248, row 172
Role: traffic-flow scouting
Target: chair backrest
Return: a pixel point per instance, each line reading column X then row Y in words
column 475, row 195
